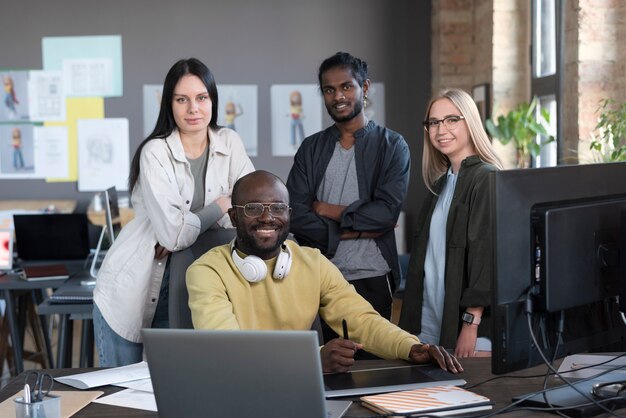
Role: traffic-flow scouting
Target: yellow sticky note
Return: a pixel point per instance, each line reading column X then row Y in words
column 77, row 108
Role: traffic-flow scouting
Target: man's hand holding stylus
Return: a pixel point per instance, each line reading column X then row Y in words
column 427, row 353
column 338, row 355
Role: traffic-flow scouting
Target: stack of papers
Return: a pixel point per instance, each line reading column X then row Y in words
column 436, row 400
column 135, row 377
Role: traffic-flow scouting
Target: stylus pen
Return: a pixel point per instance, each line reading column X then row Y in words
column 345, row 329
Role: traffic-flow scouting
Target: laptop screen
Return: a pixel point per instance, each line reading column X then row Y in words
column 235, row 373
column 44, row 237
column 6, row 249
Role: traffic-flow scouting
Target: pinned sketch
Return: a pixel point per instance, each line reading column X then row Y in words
column 51, row 151
column 77, row 108
column 17, row 151
column 151, row 105
column 375, row 106
column 88, row 76
column 46, row 96
column 102, row 154
column 239, row 112
column 296, row 114
column 14, row 106
column 91, row 65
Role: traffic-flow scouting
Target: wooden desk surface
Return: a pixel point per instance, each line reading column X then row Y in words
column 60, row 206
column 477, row 370
column 97, row 217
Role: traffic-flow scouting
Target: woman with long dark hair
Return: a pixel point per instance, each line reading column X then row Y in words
column 180, row 182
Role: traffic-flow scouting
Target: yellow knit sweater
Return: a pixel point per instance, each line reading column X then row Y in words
column 220, row 298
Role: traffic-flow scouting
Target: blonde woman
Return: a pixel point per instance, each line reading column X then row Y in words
column 448, row 287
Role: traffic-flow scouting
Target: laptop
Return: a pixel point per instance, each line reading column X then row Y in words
column 235, row 373
column 44, row 237
column 6, row 250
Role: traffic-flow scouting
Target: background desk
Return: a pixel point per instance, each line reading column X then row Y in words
column 69, row 312
column 10, row 286
column 476, row 370
column 60, row 206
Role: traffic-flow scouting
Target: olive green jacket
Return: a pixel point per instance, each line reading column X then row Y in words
column 469, row 254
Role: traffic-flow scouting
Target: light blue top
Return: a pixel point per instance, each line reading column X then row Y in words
column 435, row 265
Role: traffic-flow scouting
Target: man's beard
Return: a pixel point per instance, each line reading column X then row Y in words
column 248, row 243
column 358, row 107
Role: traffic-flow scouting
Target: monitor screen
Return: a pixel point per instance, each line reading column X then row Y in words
column 112, row 213
column 559, row 250
column 6, row 249
column 55, row 236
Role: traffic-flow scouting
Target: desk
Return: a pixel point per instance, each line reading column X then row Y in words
column 10, row 285
column 476, row 370
column 60, row 206
column 98, row 217
column 68, row 312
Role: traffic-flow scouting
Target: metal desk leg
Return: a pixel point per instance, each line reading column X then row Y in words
column 65, row 342
column 16, row 335
column 86, row 344
column 38, row 297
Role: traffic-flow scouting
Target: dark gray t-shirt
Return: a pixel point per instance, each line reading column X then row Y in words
column 355, row 258
column 210, row 214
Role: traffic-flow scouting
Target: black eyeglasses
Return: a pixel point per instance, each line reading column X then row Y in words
column 450, row 122
column 254, row 210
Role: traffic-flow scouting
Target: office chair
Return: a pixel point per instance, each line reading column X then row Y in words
column 180, row 314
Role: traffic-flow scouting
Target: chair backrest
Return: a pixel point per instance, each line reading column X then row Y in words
column 179, row 312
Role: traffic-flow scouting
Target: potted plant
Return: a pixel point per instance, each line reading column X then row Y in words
column 522, row 125
column 610, row 143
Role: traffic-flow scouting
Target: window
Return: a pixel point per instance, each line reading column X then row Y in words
column 546, row 68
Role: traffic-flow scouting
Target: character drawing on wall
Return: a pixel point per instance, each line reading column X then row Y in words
column 296, row 114
column 16, row 142
column 10, row 100
column 232, row 111
column 100, row 150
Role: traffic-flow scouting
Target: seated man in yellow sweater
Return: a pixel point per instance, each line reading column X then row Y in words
column 261, row 281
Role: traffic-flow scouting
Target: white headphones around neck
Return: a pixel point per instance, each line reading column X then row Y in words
column 254, row 269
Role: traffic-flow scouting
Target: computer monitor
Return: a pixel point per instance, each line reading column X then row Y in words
column 112, row 227
column 112, row 213
column 6, row 249
column 559, row 262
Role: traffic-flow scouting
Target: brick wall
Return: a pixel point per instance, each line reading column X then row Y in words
column 488, row 41
column 596, row 68
column 476, row 42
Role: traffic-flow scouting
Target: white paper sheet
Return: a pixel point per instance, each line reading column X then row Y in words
column 98, row 378
column 46, row 96
column 144, row 385
column 102, row 154
column 130, row 398
column 88, row 77
column 51, row 151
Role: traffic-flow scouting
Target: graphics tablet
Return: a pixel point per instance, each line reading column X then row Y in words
column 363, row 382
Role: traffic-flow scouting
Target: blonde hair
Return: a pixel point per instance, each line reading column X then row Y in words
column 435, row 163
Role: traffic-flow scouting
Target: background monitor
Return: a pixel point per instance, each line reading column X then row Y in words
column 53, row 236
column 6, row 249
column 559, row 249
column 112, row 213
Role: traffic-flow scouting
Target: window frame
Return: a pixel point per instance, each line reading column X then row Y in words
column 551, row 84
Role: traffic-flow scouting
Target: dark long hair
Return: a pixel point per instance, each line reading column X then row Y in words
column 357, row 66
column 165, row 122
